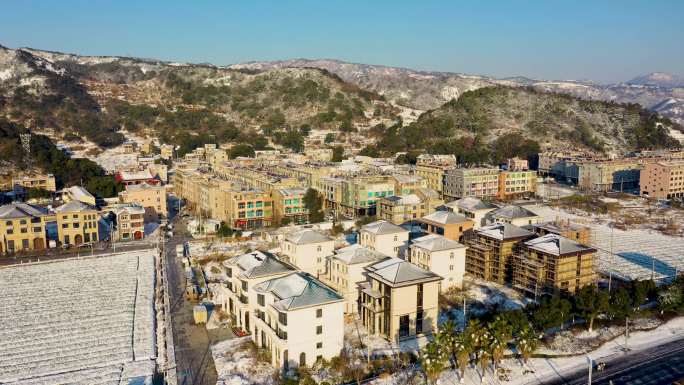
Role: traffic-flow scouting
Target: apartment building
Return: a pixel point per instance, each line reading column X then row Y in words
column 307, row 174
column 517, row 184
column 663, row 180
column 433, row 168
column 551, row 264
column 166, row 151
column 399, row 300
column 491, row 249
column 405, row 208
column 136, row 177
column 244, row 272
column 248, row 209
column 346, row 269
column 308, row 250
column 607, row 175
column 446, row 223
column 77, row 223
column 130, row 222
column 472, row 208
column 22, row 228
column 442, row 256
column 477, row 182
column 384, row 237
column 151, row 197
column 299, row 319
column 289, row 207
column 517, row 164
column 36, row 181
column 408, row 184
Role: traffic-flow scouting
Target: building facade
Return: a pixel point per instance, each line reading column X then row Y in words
column 384, row 237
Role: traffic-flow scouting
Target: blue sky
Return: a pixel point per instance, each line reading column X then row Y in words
column 603, row 40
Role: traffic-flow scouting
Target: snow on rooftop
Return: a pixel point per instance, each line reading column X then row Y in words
column 78, row 321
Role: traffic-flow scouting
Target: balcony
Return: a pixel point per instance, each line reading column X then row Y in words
column 281, row 334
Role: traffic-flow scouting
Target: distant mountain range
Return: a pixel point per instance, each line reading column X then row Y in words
column 95, row 97
column 426, row 90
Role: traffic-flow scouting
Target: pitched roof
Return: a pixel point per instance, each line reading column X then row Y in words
column 259, row 264
column 555, row 244
column 74, row 207
column 79, row 192
column 357, row 254
column 382, row 227
column 143, row 186
column 410, row 199
column 20, row 210
column 512, row 211
column 308, row 236
column 398, row 272
column 445, row 217
column 503, row 231
column 136, row 175
column 434, row 242
column 298, row 290
column 472, row 204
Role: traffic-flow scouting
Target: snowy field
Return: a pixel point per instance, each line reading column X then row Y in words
column 78, row 321
column 636, row 253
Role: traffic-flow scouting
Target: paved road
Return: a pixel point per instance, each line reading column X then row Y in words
column 658, row 365
column 194, row 363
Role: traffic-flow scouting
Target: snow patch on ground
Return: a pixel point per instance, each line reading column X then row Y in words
column 236, row 364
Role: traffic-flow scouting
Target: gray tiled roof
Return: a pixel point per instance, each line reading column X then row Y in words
column 260, row 264
column 555, row 244
column 298, row 290
column 512, row 211
column 357, row 254
column 20, row 210
column 434, row 242
column 382, row 227
column 74, row 206
column 398, row 272
column 445, row 217
column 308, row 236
column 503, row 231
column 472, row 204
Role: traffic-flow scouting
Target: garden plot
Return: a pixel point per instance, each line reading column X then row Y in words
column 85, row 320
column 636, row 254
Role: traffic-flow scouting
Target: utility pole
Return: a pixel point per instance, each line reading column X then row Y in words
column 465, row 322
column 591, row 366
column 626, row 333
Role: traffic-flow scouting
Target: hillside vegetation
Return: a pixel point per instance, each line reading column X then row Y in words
column 491, row 123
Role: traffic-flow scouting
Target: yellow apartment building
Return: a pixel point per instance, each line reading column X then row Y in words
column 288, row 206
column 152, row 198
column 77, row 223
column 37, row 181
column 22, row 228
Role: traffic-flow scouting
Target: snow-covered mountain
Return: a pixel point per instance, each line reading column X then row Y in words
column 426, row 90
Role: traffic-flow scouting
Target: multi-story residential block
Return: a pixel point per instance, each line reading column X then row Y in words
column 517, row 164
column 77, row 223
column 442, row 256
column 248, row 208
column 289, row 207
column 399, row 300
column 517, row 184
column 404, row 208
column 446, row 223
column 491, row 249
column 472, row 208
column 433, row 169
column 308, row 250
column 244, row 272
column 471, row 182
column 551, row 264
column 346, row 271
column 22, row 228
column 166, row 151
column 408, row 184
column 37, row 181
column 606, row 175
column 299, row 319
column 384, row 237
column 136, row 177
column 515, row 215
column 663, row 180
column 130, row 222
column 152, row 198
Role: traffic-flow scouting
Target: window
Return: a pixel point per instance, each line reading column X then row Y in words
column 230, row 273
column 419, row 295
column 24, row 243
column 10, row 231
column 75, row 216
column 36, row 229
column 282, row 318
column 8, row 223
column 404, row 326
column 451, row 267
column 260, row 299
column 319, row 313
column 319, row 329
column 24, row 230
column 419, row 322
column 65, row 225
column 22, row 222
column 319, row 345
column 244, row 285
column 319, row 249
